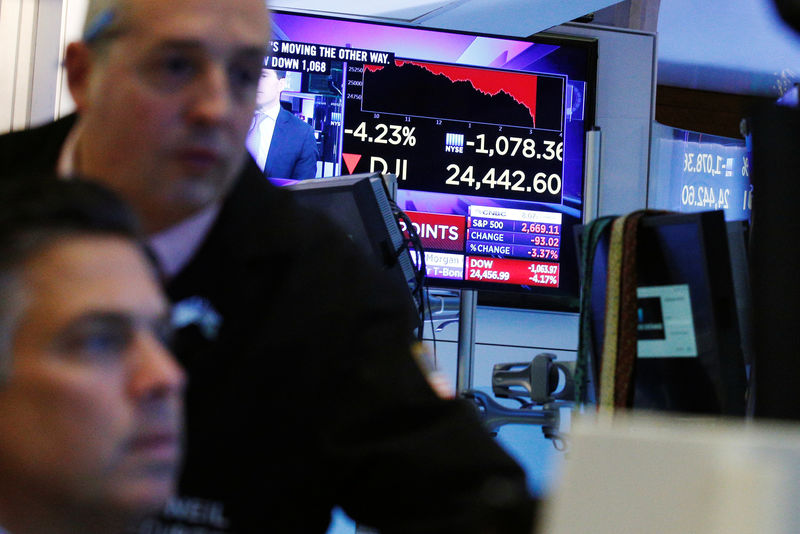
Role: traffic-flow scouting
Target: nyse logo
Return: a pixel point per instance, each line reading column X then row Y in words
column 454, row 143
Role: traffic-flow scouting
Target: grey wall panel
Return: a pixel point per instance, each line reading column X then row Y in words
column 626, row 77
column 526, row 328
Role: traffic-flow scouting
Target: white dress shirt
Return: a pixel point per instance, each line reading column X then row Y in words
column 260, row 135
column 176, row 245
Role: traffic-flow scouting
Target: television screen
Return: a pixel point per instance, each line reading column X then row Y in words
column 484, row 133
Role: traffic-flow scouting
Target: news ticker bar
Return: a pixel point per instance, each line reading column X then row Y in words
column 316, row 58
column 517, row 237
column 451, row 232
column 510, row 214
column 448, row 266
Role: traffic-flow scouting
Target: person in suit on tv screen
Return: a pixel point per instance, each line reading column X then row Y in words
column 282, row 144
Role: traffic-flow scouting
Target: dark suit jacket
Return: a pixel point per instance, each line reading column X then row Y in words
column 293, row 149
column 307, row 397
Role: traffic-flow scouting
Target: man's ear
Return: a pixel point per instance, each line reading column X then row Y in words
column 78, row 63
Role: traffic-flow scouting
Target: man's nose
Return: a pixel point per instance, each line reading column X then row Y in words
column 212, row 98
column 156, row 373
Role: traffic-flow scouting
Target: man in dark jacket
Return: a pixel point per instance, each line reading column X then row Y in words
column 302, row 393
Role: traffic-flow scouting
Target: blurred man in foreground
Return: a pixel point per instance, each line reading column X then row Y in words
column 303, row 394
column 90, row 399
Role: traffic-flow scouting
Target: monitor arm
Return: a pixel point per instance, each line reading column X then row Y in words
column 539, row 380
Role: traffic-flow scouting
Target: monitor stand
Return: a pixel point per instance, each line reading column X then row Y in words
column 466, row 339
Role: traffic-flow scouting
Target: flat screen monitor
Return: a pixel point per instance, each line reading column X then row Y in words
column 484, row 133
column 360, row 206
column 689, row 351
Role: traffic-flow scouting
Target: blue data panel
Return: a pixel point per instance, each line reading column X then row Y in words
column 692, row 172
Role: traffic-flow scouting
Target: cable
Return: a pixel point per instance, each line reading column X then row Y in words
column 414, row 242
column 433, row 329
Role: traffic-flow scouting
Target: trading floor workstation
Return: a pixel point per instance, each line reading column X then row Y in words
column 568, row 258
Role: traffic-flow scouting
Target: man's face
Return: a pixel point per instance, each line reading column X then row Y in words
column 91, row 415
column 166, row 105
column 269, row 89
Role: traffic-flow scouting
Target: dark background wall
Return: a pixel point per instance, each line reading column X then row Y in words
column 704, row 111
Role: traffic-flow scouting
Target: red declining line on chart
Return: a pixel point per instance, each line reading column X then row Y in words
column 521, row 87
